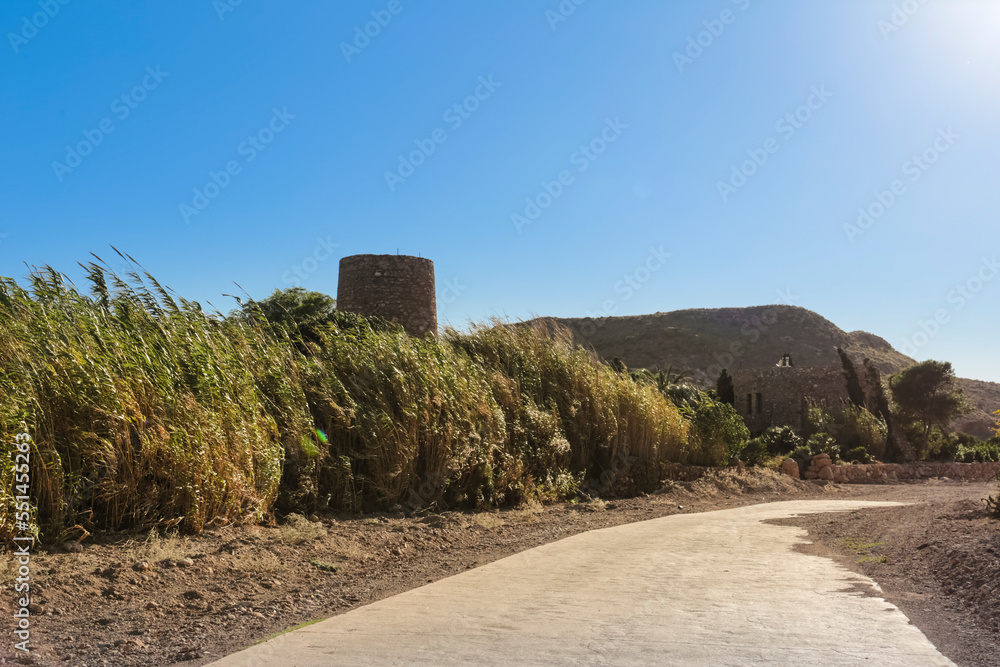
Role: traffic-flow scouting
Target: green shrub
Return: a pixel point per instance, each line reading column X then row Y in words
column 755, row 453
column 816, row 420
column 858, row 455
column 823, row 443
column 963, row 447
column 781, row 440
column 724, row 388
column 859, row 428
column 802, row 454
column 944, row 446
column 719, row 433
column 683, row 395
column 819, row 443
column 981, row 452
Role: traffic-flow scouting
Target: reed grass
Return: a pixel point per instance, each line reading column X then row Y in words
column 146, row 411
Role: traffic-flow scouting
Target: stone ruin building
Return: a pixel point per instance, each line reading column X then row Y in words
column 779, row 395
column 398, row 288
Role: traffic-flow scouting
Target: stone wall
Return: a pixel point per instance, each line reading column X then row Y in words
column 874, row 473
column 880, row 472
column 776, row 396
column 399, row 288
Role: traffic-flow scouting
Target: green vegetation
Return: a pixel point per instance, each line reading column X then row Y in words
column 724, row 388
column 963, row 448
column 755, row 453
column 143, row 409
column 771, row 446
column 815, row 420
column 857, row 455
column 823, row 443
column 323, row 565
column 979, row 451
column 861, row 548
column 925, row 395
column 858, row 429
column 295, row 306
column 147, row 412
column 719, row 432
column 852, row 434
column 854, row 544
column 873, row 559
column 854, row 390
column 781, row 440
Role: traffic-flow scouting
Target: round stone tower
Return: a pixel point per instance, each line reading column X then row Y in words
column 398, row 288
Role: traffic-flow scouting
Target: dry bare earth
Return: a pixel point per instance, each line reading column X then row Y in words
column 240, row 585
column 937, row 560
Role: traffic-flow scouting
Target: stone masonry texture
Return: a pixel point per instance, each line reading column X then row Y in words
column 399, row 288
column 776, row 396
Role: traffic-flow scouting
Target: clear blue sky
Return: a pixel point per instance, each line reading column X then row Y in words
column 309, row 117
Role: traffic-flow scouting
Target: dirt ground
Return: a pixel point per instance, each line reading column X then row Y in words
column 154, row 600
column 938, row 560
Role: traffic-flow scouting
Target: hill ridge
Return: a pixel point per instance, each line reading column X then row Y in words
column 702, row 341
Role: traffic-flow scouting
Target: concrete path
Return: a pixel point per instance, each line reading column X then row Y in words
column 718, row 588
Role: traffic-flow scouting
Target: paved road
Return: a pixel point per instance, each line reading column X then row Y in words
column 718, row 588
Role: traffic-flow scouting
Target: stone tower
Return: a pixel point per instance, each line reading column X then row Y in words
column 398, row 288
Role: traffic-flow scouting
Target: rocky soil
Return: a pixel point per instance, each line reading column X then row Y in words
column 156, row 600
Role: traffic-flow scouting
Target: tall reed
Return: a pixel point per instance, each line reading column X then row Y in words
column 146, row 410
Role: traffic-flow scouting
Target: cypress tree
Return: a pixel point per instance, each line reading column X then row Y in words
column 854, row 390
column 724, row 388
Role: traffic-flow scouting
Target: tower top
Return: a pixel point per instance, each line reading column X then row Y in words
column 398, row 288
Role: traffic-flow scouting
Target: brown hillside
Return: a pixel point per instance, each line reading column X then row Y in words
column 702, row 341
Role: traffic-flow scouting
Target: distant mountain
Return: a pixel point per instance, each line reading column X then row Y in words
column 702, row 341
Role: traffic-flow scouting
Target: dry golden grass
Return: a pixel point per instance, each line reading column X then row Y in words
column 297, row 529
column 156, row 548
column 350, row 550
column 150, row 410
column 527, row 512
column 593, row 504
